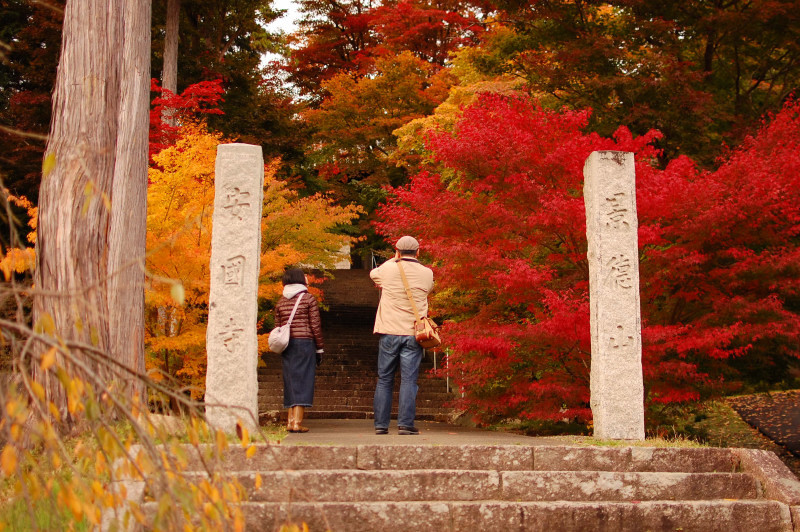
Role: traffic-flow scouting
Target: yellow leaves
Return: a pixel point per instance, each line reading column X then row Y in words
column 135, row 407
column 69, row 498
column 94, row 336
column 251, row 451
column 45, row 325
column 88, row 194
column 100, row 464
column 48, row 359
column 177, row 293
column 51, row 406
column 258, row 481
column 17, row 260
column 108, row 500
column 8, row 460
column 137, row 513
column 238, row 522
column 211, row 511
column 48, row 164
column 291, row 527
column 221, row 440
column 75, row 390
column 193, row 436
column 97, row 489
column 38, row 390
column 16, row 411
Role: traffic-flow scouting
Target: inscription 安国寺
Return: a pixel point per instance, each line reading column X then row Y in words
column 236, row 201
column 234, row 270
column 615, row 211
column 231, row 336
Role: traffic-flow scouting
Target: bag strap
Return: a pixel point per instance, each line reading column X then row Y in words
column 296, row 304
column 408, row 290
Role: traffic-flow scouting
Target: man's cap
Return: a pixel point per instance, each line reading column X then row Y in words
column 407, row 243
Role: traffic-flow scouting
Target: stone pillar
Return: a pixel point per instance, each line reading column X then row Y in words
column 231, row 343
column 617, row 389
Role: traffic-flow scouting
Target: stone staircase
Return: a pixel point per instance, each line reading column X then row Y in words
column 514, row 488
column 346, row 378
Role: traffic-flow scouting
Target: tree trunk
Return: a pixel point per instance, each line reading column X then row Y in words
column 169, row 73
column 94, row 135
column 127, row 238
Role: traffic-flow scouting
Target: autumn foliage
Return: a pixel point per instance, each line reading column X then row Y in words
column 198, row 99
column 500, row 213
column 180, row 209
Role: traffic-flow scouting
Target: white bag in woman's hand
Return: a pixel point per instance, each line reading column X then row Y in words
column 279, row 336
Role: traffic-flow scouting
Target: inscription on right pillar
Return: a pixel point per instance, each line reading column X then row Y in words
column 616, row 385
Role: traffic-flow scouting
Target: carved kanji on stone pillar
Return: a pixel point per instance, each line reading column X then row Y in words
column 617, row 389
column 231, row 343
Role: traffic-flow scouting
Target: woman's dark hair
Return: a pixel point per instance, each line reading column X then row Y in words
column 294, row 276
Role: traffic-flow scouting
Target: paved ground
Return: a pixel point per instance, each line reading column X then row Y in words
column 361, row 431
column 776, row 415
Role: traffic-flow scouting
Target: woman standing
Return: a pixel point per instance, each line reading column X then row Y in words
column 304, row 352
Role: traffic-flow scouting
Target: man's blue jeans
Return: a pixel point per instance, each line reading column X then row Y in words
column 394, row 350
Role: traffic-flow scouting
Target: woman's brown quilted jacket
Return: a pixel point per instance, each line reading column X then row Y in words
column 306, row 322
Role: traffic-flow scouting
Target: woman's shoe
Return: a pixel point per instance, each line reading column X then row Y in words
column 298, row 428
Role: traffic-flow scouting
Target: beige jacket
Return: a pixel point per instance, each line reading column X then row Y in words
column 395, row 314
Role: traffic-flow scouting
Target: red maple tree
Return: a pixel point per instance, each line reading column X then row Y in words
column 503, row 222
column 198, row 99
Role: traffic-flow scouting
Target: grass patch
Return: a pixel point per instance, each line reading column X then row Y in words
column 19, row 516
column 678, row 441
column 711, row 423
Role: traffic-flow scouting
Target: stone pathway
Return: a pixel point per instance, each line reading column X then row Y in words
column 362, row 432
column 776, row 415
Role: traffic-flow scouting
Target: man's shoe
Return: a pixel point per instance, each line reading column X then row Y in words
column 405, row 431
column 381, row 431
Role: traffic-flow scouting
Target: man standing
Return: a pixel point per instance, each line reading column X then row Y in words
column 395, row 325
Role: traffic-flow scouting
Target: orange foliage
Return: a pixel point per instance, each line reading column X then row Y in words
column 180, row 208
column 20, row 259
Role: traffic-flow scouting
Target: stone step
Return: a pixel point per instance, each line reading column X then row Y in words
column 504, row 487
column 478, row 457
column 348, row 485
column 561, row 516
column 352, row 288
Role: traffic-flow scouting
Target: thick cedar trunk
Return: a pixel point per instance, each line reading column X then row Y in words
column 127, row 237
column 95, row 135
column 169, row 73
